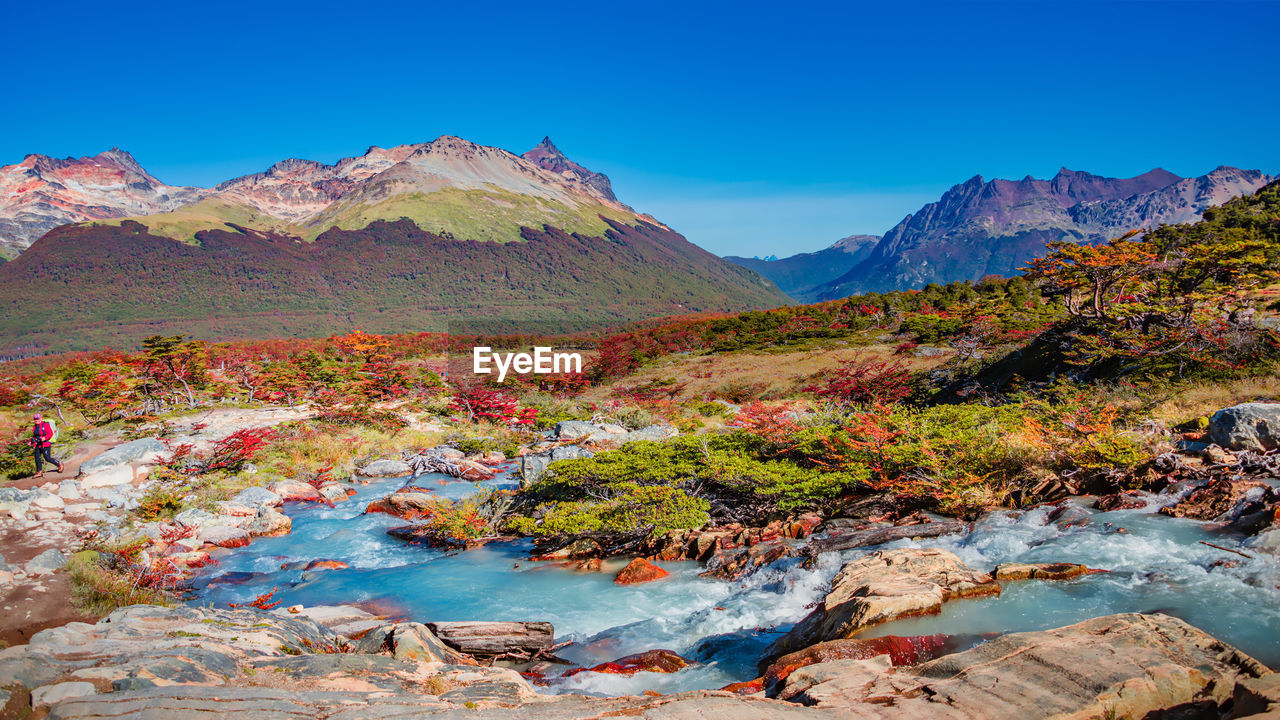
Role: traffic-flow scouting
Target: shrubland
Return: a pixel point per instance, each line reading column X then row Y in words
column 953, row 398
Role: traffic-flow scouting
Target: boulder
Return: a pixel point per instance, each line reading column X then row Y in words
column 406, row 505
column 196, row 518
column 257, row 497
column 653, row 433
column 659, row 661
column 386, row 468
column 1041, row 571
column 291, row 491
column 638, row 571
column 326, row 565
column 46, row 562
column 1213, row 500
column 224, row 536
column 884, row 586
column 269, row 523
column 1248, row 426
column 533, row 465
column 146, row 450
column 335, row 492
column 570, row 430
column 900, row 651
column 1117, row 666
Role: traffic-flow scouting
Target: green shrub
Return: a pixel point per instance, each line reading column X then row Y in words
column 631, row 507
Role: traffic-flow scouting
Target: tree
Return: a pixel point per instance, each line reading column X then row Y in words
column 172, row 362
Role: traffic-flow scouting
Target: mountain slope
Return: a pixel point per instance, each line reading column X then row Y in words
column 41, row 193
column 800, row 274
column 403, row 239
column 448, row 185
column 982, row 228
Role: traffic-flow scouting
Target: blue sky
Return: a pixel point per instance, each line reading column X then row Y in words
column 751, row 128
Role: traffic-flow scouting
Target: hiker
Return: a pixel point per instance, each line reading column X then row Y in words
column 42, row 440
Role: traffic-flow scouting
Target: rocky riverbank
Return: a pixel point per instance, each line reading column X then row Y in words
column 156, row 662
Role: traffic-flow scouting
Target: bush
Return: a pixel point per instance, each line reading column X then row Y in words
column 632, row 418
column 632, row 507
column 864, row 382
column 99, row 586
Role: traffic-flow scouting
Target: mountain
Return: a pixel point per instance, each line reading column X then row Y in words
column 407, row 238
column 994, row 227
column 41, row 193
column 799, row 275
column 548, row 157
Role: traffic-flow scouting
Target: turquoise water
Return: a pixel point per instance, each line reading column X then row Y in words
column 1156, row 565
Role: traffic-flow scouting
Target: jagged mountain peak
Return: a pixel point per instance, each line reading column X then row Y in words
column 549, row 157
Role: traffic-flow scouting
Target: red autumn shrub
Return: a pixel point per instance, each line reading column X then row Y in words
column 774, row 423
column 481, row 403
column 238, row 448
column 864, row 382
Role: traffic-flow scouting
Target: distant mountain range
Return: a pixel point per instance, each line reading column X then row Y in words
column 397, row 239
column 994, row 227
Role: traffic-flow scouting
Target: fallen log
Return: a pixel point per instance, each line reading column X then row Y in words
column 877, row 536
column 496, row 638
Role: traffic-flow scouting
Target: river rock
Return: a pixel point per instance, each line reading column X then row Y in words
column 269, row 523
column 1248, row 426
column 224, row 536
column 335, row 492
column 257, row 497
column 638, row 571
column 386, row 468
column 884, row 586
column 146, row 450
column 406, row 505
column 326, row 565
column 292, row 491
column 900, row 651
column 1041, row 571
column 196, row 519
column 1213, row 500
column 659, row 661
column 1117, row 666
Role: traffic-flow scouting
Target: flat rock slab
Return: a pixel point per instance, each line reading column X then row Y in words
column 1121, row 666
column 885, row 586
column 386, row 468
column 495, row 638
column 144, row 450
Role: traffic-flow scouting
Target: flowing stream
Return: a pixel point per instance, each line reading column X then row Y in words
column 1155, row 563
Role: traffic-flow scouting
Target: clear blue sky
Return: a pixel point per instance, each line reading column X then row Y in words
column 751, row 128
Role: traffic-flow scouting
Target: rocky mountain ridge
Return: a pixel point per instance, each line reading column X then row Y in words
column 306, row 197
column 41, row 193
column 993, row 227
